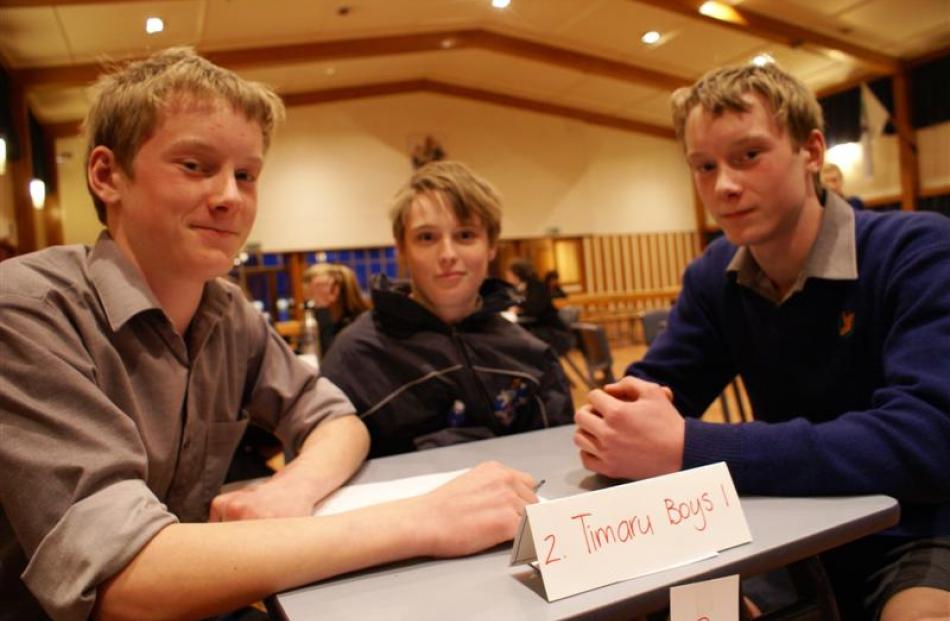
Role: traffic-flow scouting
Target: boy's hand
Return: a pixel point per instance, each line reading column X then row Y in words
column 630, row 430
column 474, row 511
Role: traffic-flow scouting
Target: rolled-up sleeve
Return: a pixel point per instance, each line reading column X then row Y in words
column 73, row 488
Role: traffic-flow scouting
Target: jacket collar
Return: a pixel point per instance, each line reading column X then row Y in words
column 399, row 313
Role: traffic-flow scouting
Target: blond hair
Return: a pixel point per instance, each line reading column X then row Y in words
column 351, row 299
column 128, row 102
column 792, row 105
column 468, row 195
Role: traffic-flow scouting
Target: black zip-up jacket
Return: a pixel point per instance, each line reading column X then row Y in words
column 418, row 382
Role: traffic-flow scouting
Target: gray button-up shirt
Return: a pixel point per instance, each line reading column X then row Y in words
column 112, row 426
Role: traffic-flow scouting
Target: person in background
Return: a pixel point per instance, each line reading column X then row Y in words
column 435, row 363
column 131, row 369
column 552, row 282
column 334, row 295
column 833, row 179
column 839, row 323
column 536, row 312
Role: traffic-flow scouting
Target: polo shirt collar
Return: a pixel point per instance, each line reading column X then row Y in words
column 833, row 256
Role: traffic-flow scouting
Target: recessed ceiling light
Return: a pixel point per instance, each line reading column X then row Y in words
column 760, row 60
column 154, row 24
column 721, row 11
column 500, row 4
column 650, row 37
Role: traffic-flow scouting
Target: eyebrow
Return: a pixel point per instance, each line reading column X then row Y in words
column 204, row 147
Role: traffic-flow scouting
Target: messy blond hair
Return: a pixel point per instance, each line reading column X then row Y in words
column 351, row 299
column 468, row 195
column 128, row 102
column 793, row 106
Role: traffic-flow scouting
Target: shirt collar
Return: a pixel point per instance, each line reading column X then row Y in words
column 119, row 284
column 125, row 294
column 833, row 256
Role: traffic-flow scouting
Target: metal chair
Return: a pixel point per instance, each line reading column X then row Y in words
column 592, row 341
column 654, row 322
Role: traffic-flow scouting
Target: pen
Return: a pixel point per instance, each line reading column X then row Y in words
column 538, row 486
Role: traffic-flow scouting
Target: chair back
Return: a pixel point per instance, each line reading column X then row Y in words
column 569, row 315
column 654, row 322
column 592, row 341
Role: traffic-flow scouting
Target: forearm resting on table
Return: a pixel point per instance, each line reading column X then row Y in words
column 196, row 570
column 330, row 455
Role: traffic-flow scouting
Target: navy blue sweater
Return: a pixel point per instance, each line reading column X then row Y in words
column 849, row 380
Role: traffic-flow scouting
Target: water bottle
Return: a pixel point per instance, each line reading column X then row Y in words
column 309, row 334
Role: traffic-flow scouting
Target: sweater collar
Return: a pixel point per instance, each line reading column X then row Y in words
column 833, row 256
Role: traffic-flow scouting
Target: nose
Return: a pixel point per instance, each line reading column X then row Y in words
column 447, row 251
column 226, row 195
column 727, row 184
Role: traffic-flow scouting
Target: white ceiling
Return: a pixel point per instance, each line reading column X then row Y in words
column 590, row 58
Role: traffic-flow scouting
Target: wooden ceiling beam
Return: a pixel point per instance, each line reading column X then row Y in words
column 791, row 35
column 76, row 75
column 444, row 88
column 476, row 94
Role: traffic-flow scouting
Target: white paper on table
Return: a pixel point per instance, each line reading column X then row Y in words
column 366, row 494
column 712, row 600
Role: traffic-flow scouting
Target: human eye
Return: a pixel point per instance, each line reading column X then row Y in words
column 424, row 237
column 245, row 176
column 192, row 166
column 467, row 235
column 703, row 167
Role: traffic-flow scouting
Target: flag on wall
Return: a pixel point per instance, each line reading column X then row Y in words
column 874, row 117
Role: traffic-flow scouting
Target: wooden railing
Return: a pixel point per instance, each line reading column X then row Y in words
column 620, row 313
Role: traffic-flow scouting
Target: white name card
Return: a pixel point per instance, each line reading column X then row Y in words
column 710, row 600
column 590, row 540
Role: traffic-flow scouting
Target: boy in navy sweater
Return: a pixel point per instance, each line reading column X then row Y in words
column 838, row 322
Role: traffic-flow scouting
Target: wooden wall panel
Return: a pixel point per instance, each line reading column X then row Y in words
column 637, row 262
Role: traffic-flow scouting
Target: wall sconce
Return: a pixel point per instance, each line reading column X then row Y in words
column 38, row 193
column 3, row 156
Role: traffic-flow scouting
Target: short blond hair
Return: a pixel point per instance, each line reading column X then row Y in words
column 128, row 102
column 793, row 106
column 468, row 195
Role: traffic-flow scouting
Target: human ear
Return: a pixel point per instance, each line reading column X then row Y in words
column 492, row 252
column 102, row 175
column 813, row 150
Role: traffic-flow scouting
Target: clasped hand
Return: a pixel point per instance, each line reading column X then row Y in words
column 631, row 430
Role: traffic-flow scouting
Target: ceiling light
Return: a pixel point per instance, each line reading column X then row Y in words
column 500, row 4
column 154, row 24
column 760, row 60
column 650, row 37
column 722, row 12
column 37, row 193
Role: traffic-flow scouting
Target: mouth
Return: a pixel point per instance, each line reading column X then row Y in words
column 735, row 215
column 215, row 231
column 450, row 275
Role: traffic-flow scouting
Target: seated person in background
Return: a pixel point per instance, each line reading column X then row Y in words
column 335, row 297
column 435, row 363
column 552, row 282
column 832, row 179
column 130, row 371
column 536, row 311
column 839, row 323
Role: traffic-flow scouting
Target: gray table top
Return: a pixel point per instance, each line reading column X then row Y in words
column 483, row 586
